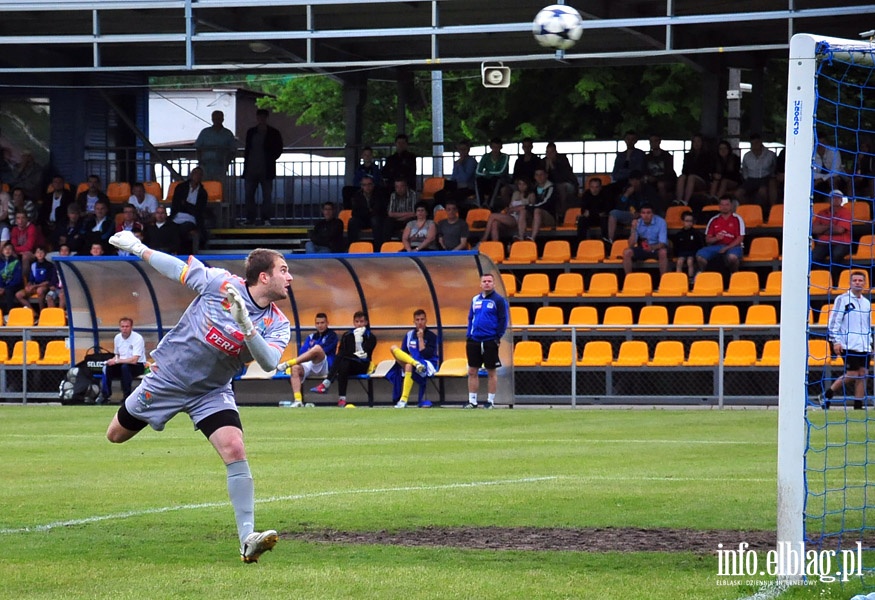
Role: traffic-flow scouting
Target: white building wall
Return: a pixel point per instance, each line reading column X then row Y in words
column 176, row 117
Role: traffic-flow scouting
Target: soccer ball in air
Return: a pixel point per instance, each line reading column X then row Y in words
column 557, row 26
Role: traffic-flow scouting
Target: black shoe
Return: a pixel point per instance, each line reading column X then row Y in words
column 858, row 405
column 824, row 403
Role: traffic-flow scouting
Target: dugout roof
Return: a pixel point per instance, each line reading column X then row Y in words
column 181, row 36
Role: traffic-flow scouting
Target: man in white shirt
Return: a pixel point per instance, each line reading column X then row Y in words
column 827, row 169
column 145, row 203
column 759, row 185
column 129, row 360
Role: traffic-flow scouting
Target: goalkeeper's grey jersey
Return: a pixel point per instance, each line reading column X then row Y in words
column 206, row 349
column 850, row 323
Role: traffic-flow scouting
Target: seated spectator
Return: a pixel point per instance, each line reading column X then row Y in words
column 163, row 234
column 369, row 211
column 832, row 232
column 189, row 210
column 460, row 185
column 7, row 215
column 543, row 212
column 726, row 174
column 659, row 171
column 99, row 227
column 864, row 171
column 53, row 211
column 634, row 196
column 508, row 221
column 367, row 168
column 10, row 277
column 724, row 237
column 401, row 164
column 420, row 234
column 96, row 250
column 628, row 161
column 559, row 171
column 327, row 233
column 353, row 357
column 649, row 239
column 130, row 223
column 402, row 208
column 315, row 358
column 687, row 242
column 452, row 232
column 40, row 282
column 129, row 361
column 88, row 198
column 696, row 172
column 143, row 202
column 415, row 360
column 827, row 169
column 20, row 202
column 594, row 208
column 493, row 175
column 758, row 175
column 25, row 238
column 526, row 163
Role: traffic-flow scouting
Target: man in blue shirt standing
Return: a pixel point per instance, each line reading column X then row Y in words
column 487, row 322
column 649, row 239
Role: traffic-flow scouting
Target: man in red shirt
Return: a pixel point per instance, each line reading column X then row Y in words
column 832, row 231
column 724, row 237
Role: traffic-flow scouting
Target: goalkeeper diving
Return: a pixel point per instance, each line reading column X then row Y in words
column 231, row 322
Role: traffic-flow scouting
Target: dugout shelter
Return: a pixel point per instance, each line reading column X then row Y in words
column 389, row 287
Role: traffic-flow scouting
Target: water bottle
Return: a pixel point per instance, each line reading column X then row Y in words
column 285, row 404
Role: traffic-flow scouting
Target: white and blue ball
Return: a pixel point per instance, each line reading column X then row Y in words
column 557, row 26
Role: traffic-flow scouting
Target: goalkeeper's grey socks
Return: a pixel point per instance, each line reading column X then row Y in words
column 241, row 491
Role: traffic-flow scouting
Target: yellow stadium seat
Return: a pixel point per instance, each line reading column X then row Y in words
column 844, row 283
column 688, row 314
column 345, row 215
column 567, row 285
column 674, row 216
column 761, row 314
column 823, row 314
column 583, row 315
column 559, row 355
column 154, row 188
column 519, row 316
column 764, row 248
column 82, row 187
column 476, row 219
column 492, row 249
column 569, row 220
column 555, row 252
column 439, row 215
column 52, row 317
column 534, row 285
column 672, row 284
column 637, row 284
column 617, row 315
column 549, row 315
column 724, row 314
column 633, row 353
column 453, row 367
column 118, row 192
column 391, row 247
column 740, row 353
column 615, row 256
column 653, row 315
column 431, row 186
column 819, row 283
column 668, row 353
column 4, row 352
column 862, row 212
column 57, row 353
column 361, row 248
column 752, row 215
column 527, row 353
column 771, row 356
column 18, row 351
column 707, row 284
column 596, row 354
column 602, row 285
column 818, row 352
column 776, row 216
column 743, row 283
column 214, row 190
column 773, row 284
column 522, row 252
column 703, row 353
column 20, row 317
column 589, row 252
column 509, row 282
column 865, row 251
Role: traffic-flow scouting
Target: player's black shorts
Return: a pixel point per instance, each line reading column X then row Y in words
column 854, row 361
column 482, row 353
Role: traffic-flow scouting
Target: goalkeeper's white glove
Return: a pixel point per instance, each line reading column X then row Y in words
column 238, row 311
column 127, row 241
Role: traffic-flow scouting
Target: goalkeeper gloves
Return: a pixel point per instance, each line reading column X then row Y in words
column 238, row 311
column 127, row 241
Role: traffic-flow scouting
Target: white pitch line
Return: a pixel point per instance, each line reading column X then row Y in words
column 166, row 509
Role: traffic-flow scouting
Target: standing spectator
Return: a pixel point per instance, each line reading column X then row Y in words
column 189, row 209
column 315, row 358
column 353, row 357
column 687, row 242
column 452, row 232
column 526, row 163
column 420, row 234
column 129, row 361
column 487, row 322
column 726, row 175
column 72, row 231
column 402, row 208
column 850, row 332
column 401, row 164
column 144, row 203
column 415, row 360
column 264, row 145
column 99, row 227
column 724, row 237
column 696, row 171
column 163, row 234
column 10, row 277
column 649, row 239
column 53, row 211
column 367, row 168
column 659, row 171
column 758, row 175
column 628, row 161
column 216, row 147
column 40, row 281
column 832, row 232
column 493, row 175
column 369, row 211
column 327, row 233
column 25, row 238
column 559, row 171
column 89, row 197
